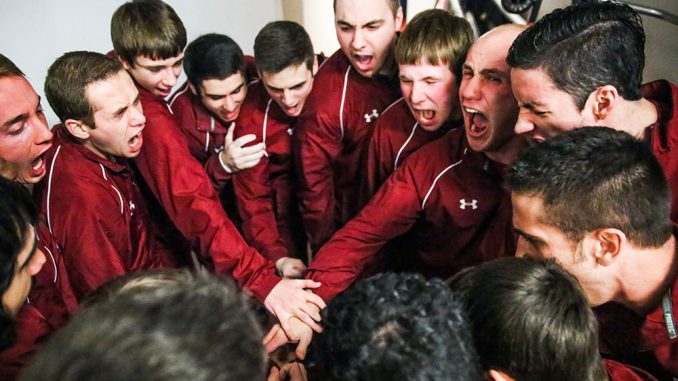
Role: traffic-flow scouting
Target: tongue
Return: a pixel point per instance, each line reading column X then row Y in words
column 427, row 114
column 479, row 121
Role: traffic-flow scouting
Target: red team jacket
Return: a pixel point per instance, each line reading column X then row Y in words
column 266, row 194
column 32, row 330
column 451, row 198
column 663, row 135
column 204, row 133
column 96, row 215
column 396, row 135
column 329, row 141
column 181, row 186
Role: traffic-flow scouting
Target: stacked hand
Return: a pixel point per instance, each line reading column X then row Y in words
column 236, row 156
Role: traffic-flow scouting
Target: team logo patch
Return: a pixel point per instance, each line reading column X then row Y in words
column 463, row 204
column 373, row 115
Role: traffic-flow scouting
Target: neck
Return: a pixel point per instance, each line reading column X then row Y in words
column 508, row 153
column 633, row 117
column 649, row 275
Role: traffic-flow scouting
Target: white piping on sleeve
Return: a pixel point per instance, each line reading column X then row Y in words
column 423, row 204
column 343, row 99
column 176, row 95
column 263, row 136
column 122, row 204
column 51, row 256
column 49, row 188
column 414, row 129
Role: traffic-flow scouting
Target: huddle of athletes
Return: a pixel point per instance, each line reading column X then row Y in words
column 408, row 155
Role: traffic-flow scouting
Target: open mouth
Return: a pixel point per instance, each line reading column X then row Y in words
column 425, row 117
column 478, row 122
column 38, row 165
column 136, row 142
column 364, row 62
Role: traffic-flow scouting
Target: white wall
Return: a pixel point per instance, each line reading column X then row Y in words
column 34, row 33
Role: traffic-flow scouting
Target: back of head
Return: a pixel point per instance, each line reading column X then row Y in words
column 397, row 327
column 530, row 320
column 17, row 214
column 212, row 56
column 197, row 328
column 583, row 47
column 281, row 44
column 67, row 81
column 594, row 178
column 147, row 28
column 435, row 36
column 8, row 68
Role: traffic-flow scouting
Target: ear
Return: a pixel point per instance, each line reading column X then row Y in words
column 399, row 19
column 194, row 90
column 499, row 376
column 603, row 100
column 124, row 63
column 608, row 243
column 77, row 128
column 315, row 64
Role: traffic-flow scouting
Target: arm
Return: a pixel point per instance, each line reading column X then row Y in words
column 317, row 147
column 390, row 213
column 378, row 163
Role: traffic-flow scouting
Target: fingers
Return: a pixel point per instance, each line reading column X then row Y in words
column 309, row 321
column 315, row 299
column 302, row 347
column 229, row 135
column 253, row 150
column 276, row 340
column 308, row 283
column 293, row 371
column 285, row 324
column 311, row 310
column 272, row 333
column 242, row 140
column 274, row 375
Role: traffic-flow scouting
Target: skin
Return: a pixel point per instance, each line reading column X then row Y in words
column 118, row 118
column 486, row 88
column 29, row 261
column 24, row 135
column 223, row 97
column 156, row 75
column 290, row 87
column 366, row 33
column 431, row 93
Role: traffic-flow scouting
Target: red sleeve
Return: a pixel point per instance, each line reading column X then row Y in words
column 318, row 146
column 217, row 173
column 254, row 194
column 377, row 163
column 390, row 213
column 179, row 182
column 31, row 330
column 93, row 235
column 623, row 372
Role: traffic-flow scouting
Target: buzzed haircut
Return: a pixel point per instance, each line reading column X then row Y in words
column 586, row 46
column 397, row 327
column 595, row 178
column 438, row 37
column 530, row 320
column 281, row 44
column 195, row 328
column 212, row 56
column 67, row 81
column 8, row 68
column 147, row 28
column 393, row 4
column 17, row 215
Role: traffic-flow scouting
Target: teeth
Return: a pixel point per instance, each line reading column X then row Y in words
column 134, row 141
column 426, row 114
column 471, row 110
column 38, row 164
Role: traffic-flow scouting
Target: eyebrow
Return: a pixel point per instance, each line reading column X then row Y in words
column 495, row 72
column 20, row 117
column 346, row 23
column 531, row 105
column 529, row 237
column 291, row 87
column 151, row 67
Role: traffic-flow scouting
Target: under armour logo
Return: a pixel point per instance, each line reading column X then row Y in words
column 131, row 207
column 373, row 115
column 463, row 204
column 290, row 131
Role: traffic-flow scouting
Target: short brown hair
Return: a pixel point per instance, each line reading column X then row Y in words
column 393, row 4
column 8, row 68
column 67, row 80
column 147, row 28
column 439, row 37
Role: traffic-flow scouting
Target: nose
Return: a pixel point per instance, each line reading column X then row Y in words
column 523, row 124
column 43, row 134
column 230, row 104
column 138, row 118
column 469, row 88
column 37, row 261
column 418, row 94
column 287, row 97
column 170, row 77
column 521, row 248
column 358, row 41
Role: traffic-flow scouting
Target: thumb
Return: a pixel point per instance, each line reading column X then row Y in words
column 229, row 135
